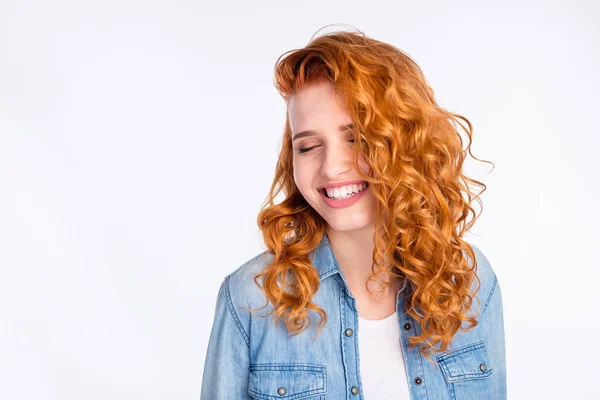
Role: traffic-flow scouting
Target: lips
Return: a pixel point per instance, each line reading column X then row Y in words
column 345, row 202
column 366, row 185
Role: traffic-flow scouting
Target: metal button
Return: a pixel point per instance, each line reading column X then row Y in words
column 281, row 391
column 349, row 332
column 418, row 381
column 407, row 326
column 354, row 390
column 483, row 367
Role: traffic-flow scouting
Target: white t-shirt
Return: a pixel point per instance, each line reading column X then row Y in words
column 382, row 368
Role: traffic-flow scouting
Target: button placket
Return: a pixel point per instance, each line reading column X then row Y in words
column 412, row 355
column 350, row 356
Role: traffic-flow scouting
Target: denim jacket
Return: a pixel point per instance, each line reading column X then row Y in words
column 248, row 357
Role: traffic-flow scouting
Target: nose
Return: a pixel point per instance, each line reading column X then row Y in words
column 336, row 161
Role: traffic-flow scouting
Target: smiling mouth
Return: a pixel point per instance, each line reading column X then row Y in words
column 324, row 191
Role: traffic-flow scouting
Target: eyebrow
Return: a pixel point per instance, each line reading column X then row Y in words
column 341, row 128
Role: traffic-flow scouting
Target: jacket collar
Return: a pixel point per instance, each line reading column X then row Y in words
column 324, row 259
column 326, row 264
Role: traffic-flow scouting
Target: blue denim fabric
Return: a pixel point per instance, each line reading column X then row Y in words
column 248, row 357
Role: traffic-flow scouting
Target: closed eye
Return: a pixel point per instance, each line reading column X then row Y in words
column 307, row 149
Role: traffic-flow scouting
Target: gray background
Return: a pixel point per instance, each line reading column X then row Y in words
column 138, row 140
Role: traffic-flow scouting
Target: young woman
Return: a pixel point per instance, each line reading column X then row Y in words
column 372, row 291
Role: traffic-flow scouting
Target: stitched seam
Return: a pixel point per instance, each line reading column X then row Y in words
column 317, row 373
column 325, row 382
column 355, row 342
column 489, row 299
column 339, row 281
column 480, row 375
column 342, row 319
column 454, row 378
column 287, row 367
column 327, row 273
column 238, row 324
column 422, row 370
column 461, row 350
column 292, row 397
column 452, row 391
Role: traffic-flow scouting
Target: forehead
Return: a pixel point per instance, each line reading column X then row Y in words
column 316, row 103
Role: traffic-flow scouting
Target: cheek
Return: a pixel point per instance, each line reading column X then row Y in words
column 299, row 175
column 303, row 176
column 362, row 163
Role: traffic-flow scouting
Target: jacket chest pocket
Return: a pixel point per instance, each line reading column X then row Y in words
column 287, row 381
column 467, row 371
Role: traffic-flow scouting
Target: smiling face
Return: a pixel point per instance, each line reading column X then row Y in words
column 322, row 140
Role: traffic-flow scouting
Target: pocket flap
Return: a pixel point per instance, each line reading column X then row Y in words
column 468, row 362
column 287, row 381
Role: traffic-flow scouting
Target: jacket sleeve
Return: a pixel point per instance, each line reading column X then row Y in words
column 492, row 318
column 226, row 368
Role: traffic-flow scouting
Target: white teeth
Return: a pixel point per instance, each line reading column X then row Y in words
column 345, row 191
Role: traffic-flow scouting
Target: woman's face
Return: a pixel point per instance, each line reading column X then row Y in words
column 322, row 148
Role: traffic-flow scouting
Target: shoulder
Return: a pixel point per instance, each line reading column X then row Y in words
column 238, row 293
column 240, row 286
column 487, row 283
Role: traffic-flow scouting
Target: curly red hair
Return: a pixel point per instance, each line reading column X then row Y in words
column 414, row 150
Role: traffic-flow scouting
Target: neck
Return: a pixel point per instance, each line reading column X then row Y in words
column 354, row 252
